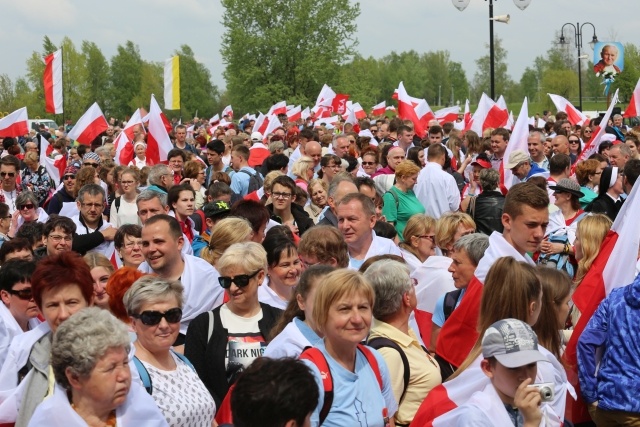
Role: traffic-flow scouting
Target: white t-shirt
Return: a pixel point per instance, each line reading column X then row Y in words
column 245, row 343
column 10, row 200
column 181, row 396
column 126, row 213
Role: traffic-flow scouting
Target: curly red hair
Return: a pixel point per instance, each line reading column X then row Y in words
column 118, row 284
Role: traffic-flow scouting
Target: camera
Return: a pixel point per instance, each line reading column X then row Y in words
column 546, row 391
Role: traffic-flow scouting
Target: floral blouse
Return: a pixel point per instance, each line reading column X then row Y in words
column 40, row 183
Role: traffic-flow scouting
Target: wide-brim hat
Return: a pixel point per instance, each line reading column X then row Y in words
column 565, row 185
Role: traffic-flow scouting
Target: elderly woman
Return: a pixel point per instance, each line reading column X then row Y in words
column 101, row 270
column 318, row 190
column 223, row 342
column 61, row 285
column 411, row 377
column 302, row 170
column 450, row 227
column 124, row 209
column 140, row 160
column 323, row 244
column 588, row 173
column 342, row 312
column 155, row 307
column 128, row 244
column 400, row 202
column 35, row 177
column 486, row 208
column 283, row 273
column 370, row 162
column 90, row 362
column 418, row 240
column 27, row 210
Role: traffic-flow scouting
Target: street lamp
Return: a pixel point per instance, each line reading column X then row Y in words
column 578, row 40
column 462, row 5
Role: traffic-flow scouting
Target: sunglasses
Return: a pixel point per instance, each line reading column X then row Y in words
column 23, row 294
column 9, row 174
column 573, row 141
column 66, row 177
column 95, row 165
column 27, row 206
column 368, row 163
column 241, row 281
column 152, row 318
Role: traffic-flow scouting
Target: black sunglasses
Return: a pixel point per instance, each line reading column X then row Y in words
column 152, row 318
column 241, row 281
column 95, row 165
column 24, row 294
column 26, row 206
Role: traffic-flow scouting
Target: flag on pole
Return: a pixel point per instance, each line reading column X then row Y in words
column 379, row 109
column 278, row 108
column 305, row 113
column 575, row 116
column 294, row 114
column 633, row 110
column 488, row 115
column 54, row 167
column 228, row 111
column 158, row 141
column 325, row 98
column 52, row 79
column 124, row 149
column 519, row 140
column 339, row 103
column 135, row 120
column 89, row 126
column 273, row 123
column 15, row 124
column 172, row 83
column 449, row 114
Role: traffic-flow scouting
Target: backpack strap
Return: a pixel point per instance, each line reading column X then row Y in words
column 373, row 362
column 380, row 342
column 315, row 356
column 183, row 358
column 395, row 196
column 116, row 203
column 450, row 300
column 144, row 375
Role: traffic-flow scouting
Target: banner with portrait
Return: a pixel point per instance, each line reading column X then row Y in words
column 608, row 58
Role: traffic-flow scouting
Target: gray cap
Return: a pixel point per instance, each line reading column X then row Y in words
column 512, row 342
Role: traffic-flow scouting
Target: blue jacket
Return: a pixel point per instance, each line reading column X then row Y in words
column 613, row 329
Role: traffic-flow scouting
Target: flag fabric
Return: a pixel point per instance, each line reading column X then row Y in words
column 52, row 79
column 305, row 113
column 575, row 116
column 633, row 110
column 228, row 111
column 339, row 103
column 445, row 115
column 172, row 83
column 537, row 123
column 273, row 123
column 488, row 115
column 416, row 110
column 135, row 120
column 214, row 120
column 261, row 124
column 519, row 140
column 89, row 126
column 325, row 97
column 158, row 141
column 54, row 167
column 593, row 144
column 390, row 108
column 379, row 109
column 467, row 114
column 294, row 114
column 124, row 149
column 278, row 108
column 15, row 124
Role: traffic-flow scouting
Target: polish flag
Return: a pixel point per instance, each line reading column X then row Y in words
column 425, row 116
column 214, row 120
column 228, row 111
column 52, row 79
column 519, row 140
column 273, row 123
column 488, row 115
column 14, row 124
column 503, row 106
column 449, row 114
column 633, row 109
column 593, row 144
column 294, row 114
column 379, row 109
column 327, row 121
column 124, row 149
column 279, row 108
column 158, row 141
column 538, row 124
column 89, row 126
column 576, row 117
column 395, row 94
column 135, row 120
column 390, row 108
column 420, row 114
column 261, row 124
column 339, row 103
column 357, row 110
column 325, row 98
column 305, row 114
column 54, row 167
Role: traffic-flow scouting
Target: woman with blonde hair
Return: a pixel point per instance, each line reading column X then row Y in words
column 226, row 232
column 101, row 271
column 318, row 190
column 450, row 227
column 588, row 173
column 400, row 202
column 35, row 177
column 302, row 170
column 418, row 240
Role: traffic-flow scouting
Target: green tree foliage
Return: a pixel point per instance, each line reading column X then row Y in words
column 482, row 78
column 627, row 80
column 7, row 94
column 126, row 79
column 284, row 49
column 197, row 93
column 97, row 77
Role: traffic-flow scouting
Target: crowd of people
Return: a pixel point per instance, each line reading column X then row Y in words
column 329, row 274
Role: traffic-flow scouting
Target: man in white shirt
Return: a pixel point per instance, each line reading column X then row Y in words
column 436, row 189
column 536, row 149
column 356, row 218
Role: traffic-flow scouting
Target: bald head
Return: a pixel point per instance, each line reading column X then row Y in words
column 560, row 145
column 395, row 156
column 313, row 149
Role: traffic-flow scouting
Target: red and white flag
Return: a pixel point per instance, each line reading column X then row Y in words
column 593, row 144
column 14, row 124
column 54, row 167
column 519, row 140
column 158, row 141
column 467, row 114
column 379, row 109
column 278, row 108
column 575, row 116
column 357, row 110
column 339, row 103
column 305, row 113
column 273, row 123
column 124, row 149
column 418, row 112
column 325, row 98
column 89, row 126
column 294, row 114
column 633, row 110
column 488, row 115
column 261, row 124
column 449, row 114
column 214, row 120
column 390, row 108
column 135, row 120
column 52, row 79
column 228, row 111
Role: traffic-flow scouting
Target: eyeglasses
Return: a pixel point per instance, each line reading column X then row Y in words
column 95, row 165
column 152, row 318
column 368, row 163
column 284, row 196
column 241, row 281
column 23, row 294
column 9, row 174
column 66, row 177
column 27, row 206
column 432, row 237
column 56, row 239
column 574, row 141
column 93, row 205
column 587, row 131
column 127, row 182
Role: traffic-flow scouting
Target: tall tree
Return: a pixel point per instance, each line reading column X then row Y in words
column 7, row 94
column 126, row 78
column 275, row 49
column 97, row 67
column 459, row 82
column 482, row 77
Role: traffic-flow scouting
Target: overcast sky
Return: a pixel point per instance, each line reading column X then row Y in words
column 159, row 27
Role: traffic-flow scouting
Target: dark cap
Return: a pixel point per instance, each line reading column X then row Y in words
column 216, row 209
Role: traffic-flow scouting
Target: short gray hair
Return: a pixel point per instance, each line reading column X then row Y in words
column 336, row 137
column 151, row 290
column 147, row 195
column 156, row 172
column 26, row 197
column 335, row 183
column 474, row 245
column 390, row 280
column 538, row 134
column 83, row 339
column 489, row 179
column 623, row 148
column 91, row 190
column 248, row 255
